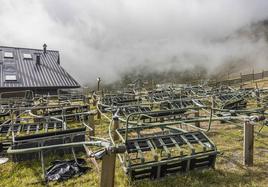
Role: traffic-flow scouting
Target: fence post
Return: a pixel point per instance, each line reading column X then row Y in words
column 248, row 143
column 253, row 75
column 228, row 77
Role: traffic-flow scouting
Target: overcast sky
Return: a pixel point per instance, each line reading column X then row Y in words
column 107, row 37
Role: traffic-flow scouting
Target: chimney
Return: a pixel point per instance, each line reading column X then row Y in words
column 38, row 59
column 58, row 61
column 45, row 48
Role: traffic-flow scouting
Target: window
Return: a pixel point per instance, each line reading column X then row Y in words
column 10, row 78
column 9, row 71
column 27, row 56
column 9, row 67
column 8, row 55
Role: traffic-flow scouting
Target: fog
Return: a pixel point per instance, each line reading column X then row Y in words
column 104, row 38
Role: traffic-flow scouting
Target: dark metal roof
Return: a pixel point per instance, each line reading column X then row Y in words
column 28, row 74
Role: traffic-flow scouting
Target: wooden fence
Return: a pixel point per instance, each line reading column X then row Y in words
column 243, row 78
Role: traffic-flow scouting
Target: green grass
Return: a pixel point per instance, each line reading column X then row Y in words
column 229, row 170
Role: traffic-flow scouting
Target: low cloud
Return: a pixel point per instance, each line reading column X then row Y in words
column 106, row 38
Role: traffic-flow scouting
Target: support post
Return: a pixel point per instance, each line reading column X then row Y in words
column 98, row 115
column 213, row 104
column 108, row 165
column 91, row 124
column 116, row 126
column 86, row 99
column 258, row 99
column 248, row 143
column 43, row 165
column 94, row 100
column 196, row 115
column 108, row 170
column 99, row 80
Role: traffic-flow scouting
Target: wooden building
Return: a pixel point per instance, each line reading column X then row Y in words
column 38, row 70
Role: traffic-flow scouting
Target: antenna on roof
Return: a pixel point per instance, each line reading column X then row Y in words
column 45, row 48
